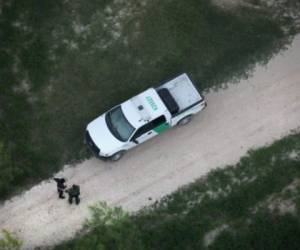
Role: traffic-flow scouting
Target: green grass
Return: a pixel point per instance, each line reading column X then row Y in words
column 231, row 196
column 265, row 231
column 77, row 63
column 9, row 241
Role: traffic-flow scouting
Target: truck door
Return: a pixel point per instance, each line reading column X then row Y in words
column 151, row 129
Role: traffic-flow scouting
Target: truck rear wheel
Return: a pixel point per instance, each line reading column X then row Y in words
column 184, row 120
column 117, row 156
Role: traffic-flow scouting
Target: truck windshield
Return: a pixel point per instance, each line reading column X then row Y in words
column 118, row 124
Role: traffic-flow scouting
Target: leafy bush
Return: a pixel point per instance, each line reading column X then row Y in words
column 109, row 228
column 9, row 241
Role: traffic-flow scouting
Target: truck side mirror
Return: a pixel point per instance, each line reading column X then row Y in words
column 134, row 140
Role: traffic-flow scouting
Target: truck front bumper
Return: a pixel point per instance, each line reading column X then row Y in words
column 90, row 143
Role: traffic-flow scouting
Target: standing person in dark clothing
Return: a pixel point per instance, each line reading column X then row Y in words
column 74, row 192
column 60, row 187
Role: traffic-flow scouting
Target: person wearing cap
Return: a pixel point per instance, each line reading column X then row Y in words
column 60, row 183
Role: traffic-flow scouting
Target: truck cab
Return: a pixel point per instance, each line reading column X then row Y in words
column 142, row 117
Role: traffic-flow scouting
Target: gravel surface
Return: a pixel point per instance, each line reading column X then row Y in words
column 247, row 115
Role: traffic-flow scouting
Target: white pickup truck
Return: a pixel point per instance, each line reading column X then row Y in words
column 142, row 117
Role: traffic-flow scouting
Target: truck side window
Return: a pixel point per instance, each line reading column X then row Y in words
column 158, row 121
column 142, row 130
column 149, row 126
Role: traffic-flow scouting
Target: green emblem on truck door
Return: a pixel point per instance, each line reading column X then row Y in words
column 151, row 102
column 161, row 128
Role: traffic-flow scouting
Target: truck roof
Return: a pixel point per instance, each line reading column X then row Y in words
column 144, row 107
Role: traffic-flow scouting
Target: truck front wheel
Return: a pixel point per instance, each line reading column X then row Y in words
column 117, row 156
column 184, row 120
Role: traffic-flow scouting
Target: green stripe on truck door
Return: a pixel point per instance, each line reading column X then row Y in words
column 161, row 128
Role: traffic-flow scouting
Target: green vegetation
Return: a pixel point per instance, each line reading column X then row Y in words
column 9, row 241
column 65, row 62
column 235, row 199
column 115, row 228
column 265, row 231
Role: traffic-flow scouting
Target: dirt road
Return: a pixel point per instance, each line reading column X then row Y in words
column 246, row 115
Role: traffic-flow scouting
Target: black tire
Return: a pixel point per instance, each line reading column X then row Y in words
column 184, row 120
column 117, row 156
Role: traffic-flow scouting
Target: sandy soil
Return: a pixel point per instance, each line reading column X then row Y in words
column 250, row 114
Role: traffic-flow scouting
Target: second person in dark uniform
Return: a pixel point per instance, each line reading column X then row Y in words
column 74, row 192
